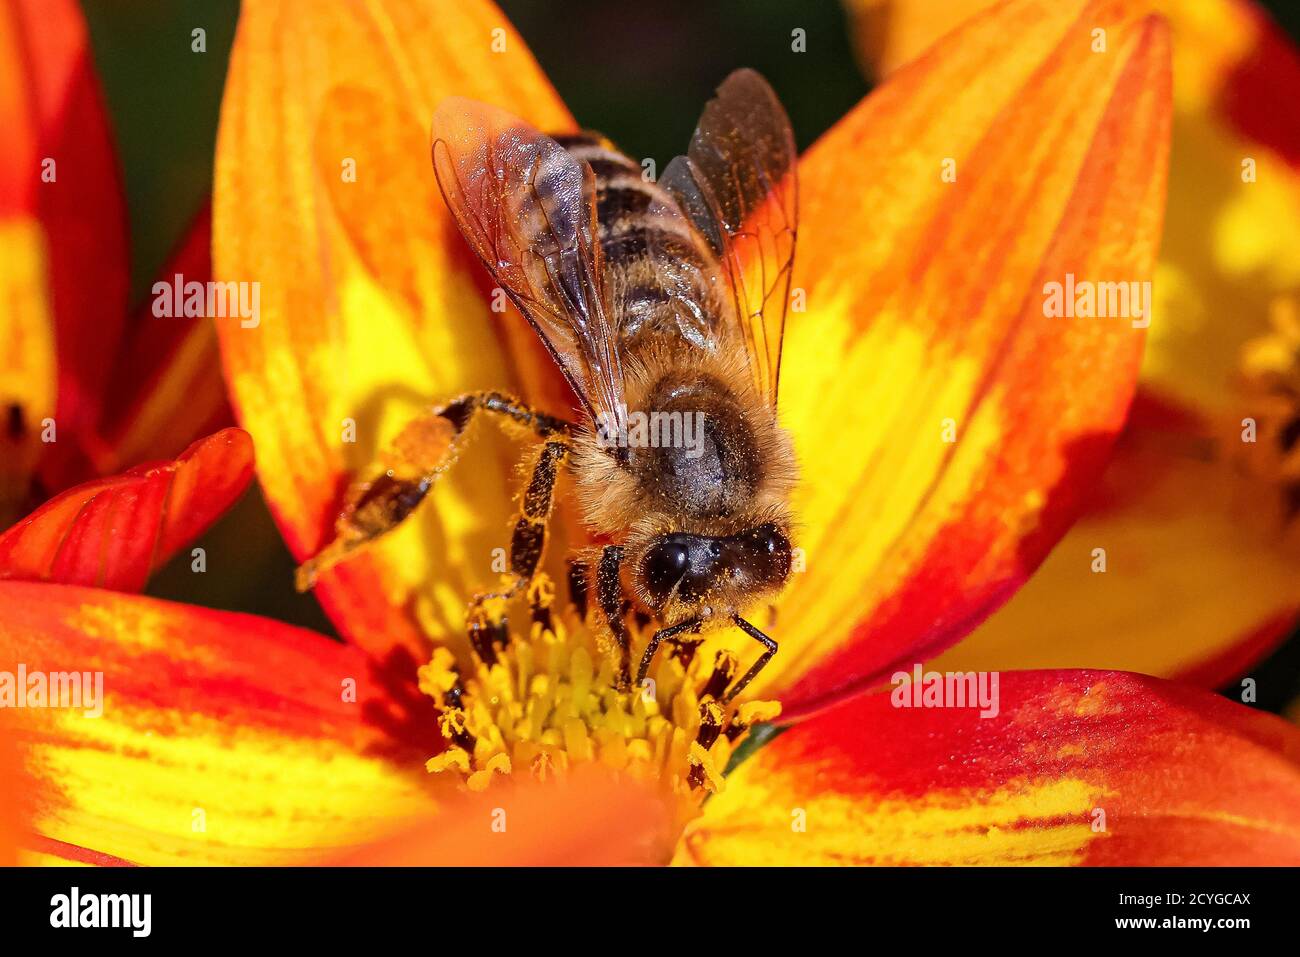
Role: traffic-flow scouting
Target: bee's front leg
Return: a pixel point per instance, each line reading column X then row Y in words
column 664, row 634
column 609, row 595
column 769, row 649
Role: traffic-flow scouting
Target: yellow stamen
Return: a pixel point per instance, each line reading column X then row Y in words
column 548, row 700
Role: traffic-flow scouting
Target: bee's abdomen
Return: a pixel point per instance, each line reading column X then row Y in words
column 642, row 244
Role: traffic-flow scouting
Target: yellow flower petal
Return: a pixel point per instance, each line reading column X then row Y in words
column 370, row 305
column 192, row 736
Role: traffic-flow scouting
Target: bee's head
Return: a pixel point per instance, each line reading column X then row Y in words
column 692, row 570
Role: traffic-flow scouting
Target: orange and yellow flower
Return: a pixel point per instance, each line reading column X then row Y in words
column 1221, row 354
column 924, row 322
column 86, row 385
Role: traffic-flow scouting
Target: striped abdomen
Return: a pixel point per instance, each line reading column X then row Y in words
column 660, row 274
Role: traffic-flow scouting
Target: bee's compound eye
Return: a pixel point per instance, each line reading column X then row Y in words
column 771, row 553
column 769, row 540
column 665, row 565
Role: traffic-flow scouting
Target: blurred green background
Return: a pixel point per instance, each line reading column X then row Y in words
column 637, row 72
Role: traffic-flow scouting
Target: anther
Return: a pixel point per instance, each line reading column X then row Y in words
column 684, row 650
column 710, row 723
column 710, row 727
column 453, row 729
column 484, row 636
column 724, row 669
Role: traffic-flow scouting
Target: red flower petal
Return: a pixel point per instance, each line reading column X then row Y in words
column 78, row 203
column 1078, row 767
column 113, row 532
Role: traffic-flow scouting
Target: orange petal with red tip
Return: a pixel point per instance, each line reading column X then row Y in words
column 588, row 818
column 1232, row 243
column 167, row 389
column 113, row 532
column 13, row 785
column 1228, row 295
column 947, row 427
column 888, row 33
column 371, row 307
column 220, row 738
column 1138, row 582
column 1077, row 767
column 62, row 229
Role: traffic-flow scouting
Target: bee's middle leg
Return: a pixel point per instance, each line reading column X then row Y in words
column 527, row 540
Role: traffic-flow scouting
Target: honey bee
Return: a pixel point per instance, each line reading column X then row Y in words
column 661, row 303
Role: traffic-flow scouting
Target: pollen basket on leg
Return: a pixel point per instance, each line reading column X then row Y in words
column 540, row 693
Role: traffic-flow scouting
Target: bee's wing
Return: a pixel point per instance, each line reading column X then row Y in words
column 738, row 184
column 528, row 209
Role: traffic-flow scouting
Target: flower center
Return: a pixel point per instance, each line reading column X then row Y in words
column 542, row 699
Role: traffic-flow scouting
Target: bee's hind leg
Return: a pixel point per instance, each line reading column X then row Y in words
column 426, row 447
